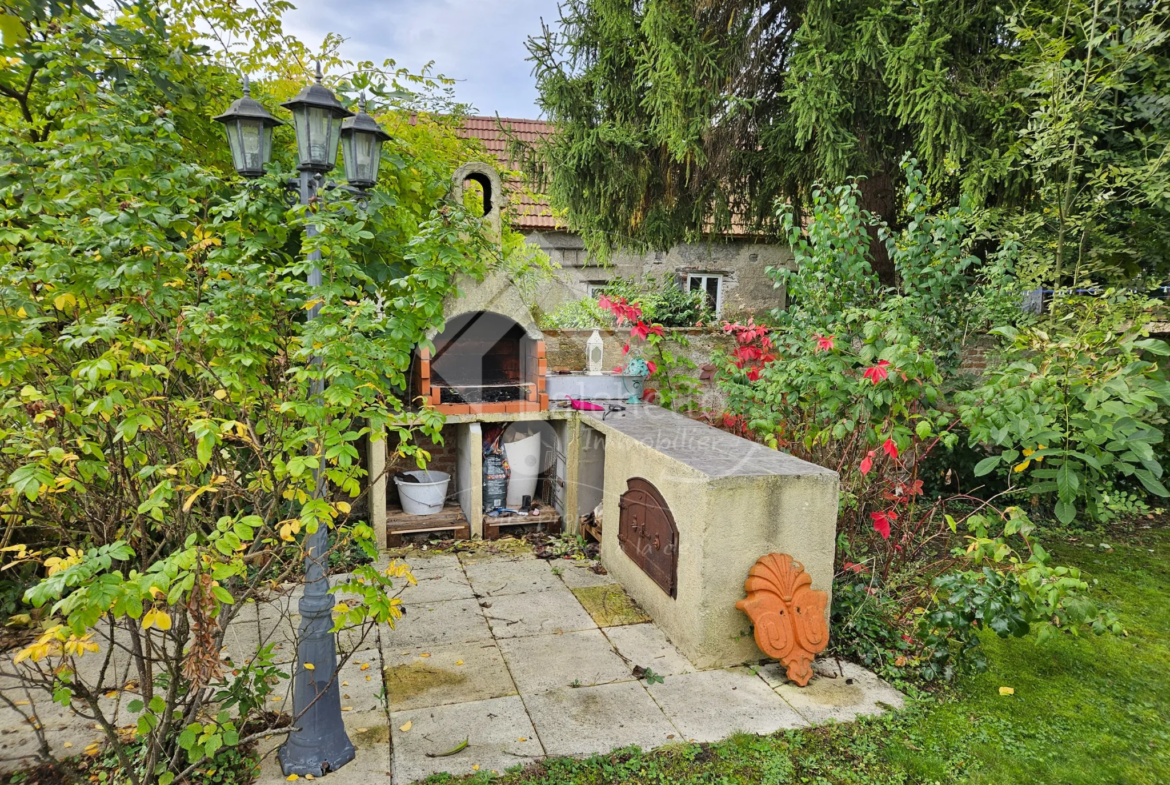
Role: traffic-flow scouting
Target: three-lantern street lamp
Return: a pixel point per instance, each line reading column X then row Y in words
column 318, row 743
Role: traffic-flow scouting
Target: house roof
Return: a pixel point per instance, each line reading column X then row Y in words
column 526, row 211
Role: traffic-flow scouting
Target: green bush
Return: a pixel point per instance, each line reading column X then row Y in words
column 663, row 301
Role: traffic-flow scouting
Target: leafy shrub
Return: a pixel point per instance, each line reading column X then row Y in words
column 1009, row 589
column 1077, row 405
column 577, row 314
column 662, row 301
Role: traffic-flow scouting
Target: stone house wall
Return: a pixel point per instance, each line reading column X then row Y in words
column 747, row 288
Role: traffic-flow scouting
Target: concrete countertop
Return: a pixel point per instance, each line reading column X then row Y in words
column 702, row 447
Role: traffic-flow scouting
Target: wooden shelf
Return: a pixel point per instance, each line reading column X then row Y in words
column 450, row 520
column 549, row 518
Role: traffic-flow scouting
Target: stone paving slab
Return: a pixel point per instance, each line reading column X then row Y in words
column 712, row 705
column 437, row 586
column 590, row 720
column 543, row 662
column 539, row 613
column 498, row 732
column 370, row 736
column 457, row 673
column 646, row 645
column 504, row 577
column 440, row 623
column 578, row 575
column 836, row 693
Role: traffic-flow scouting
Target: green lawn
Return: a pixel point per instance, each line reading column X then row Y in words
column 1091, row 711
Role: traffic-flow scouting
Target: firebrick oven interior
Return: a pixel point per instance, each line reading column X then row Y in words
column 479, row 359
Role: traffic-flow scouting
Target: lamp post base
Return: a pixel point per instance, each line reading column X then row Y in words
column 320, row 744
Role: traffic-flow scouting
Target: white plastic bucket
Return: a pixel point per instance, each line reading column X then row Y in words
column 524, row 461
column 426, row 496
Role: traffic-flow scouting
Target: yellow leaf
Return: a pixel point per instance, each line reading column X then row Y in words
column 406, row 727
column 220, row 394
column 1007, row 691
column 365, row 666
column 458, row 662
column 347, row 708
column 64, row 302
column 424, row 655
column 310, row 666
column 522, row 738
column 1019, row 467
column 157, row 618
column 293, row 777
column 475, row 767
column 342, row 507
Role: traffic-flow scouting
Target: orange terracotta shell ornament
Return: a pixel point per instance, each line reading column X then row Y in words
column 789, row 616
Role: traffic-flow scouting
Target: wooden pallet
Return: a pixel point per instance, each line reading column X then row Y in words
column 450, row 521
column 549, row 518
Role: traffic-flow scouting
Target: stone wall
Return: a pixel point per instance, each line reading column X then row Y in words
column 565, row 350
column 742, row 263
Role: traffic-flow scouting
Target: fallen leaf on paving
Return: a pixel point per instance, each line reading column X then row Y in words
column 362, row 730
column 20, row 703
column 274, row 700
column 365, row 666
column 406, row 727
column 522, row 738
column 460, row 747
column 345, row 684
column 1007, row 691
column 347, row 708
column 424, row 655
column 367, row 678
column 310, row 777
column 458, row 662
column 475, row 767
column 293, row 777
column 68, row 744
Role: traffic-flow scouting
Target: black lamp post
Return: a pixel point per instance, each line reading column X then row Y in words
column 318, row 744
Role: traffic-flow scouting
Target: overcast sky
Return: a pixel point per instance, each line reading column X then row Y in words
column 478, row 42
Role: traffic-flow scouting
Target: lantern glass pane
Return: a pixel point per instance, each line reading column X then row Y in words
column 333, row 139
column 265, row 145
column 233, row 135
column 319, row 126
column 252, row 145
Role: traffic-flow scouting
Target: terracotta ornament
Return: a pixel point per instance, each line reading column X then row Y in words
column 789, row 616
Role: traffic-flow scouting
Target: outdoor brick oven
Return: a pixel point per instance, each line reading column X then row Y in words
column 483, row 363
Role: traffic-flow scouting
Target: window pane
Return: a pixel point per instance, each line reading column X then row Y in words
column 713, row 290
column 696, row 283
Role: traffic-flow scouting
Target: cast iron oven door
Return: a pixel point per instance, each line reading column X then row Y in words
column 647, row 533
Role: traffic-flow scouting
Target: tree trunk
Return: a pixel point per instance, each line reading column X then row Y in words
column 879, row 198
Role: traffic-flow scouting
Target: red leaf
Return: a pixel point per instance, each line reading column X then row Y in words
column 890, row 448
column 651, row 365
column 881, row 523
column 867, row 463
column 878, row 373
column 824, row 342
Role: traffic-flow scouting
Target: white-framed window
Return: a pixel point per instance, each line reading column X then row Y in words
column 710, row 284
column 597, row 288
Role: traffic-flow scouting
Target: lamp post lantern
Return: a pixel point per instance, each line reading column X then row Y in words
column 249, row 132
column 318, row 744
column 361, row 142
column 317, row 116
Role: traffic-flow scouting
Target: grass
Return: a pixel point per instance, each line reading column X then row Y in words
column 609, row 605
column 1085, row 710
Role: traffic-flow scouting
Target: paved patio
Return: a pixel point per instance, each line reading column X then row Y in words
column 524, row 659
column 500, row 650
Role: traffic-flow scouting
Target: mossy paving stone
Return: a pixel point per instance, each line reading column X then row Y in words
column 609, row 605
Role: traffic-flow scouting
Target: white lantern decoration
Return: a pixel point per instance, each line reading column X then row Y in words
column 594, row 349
